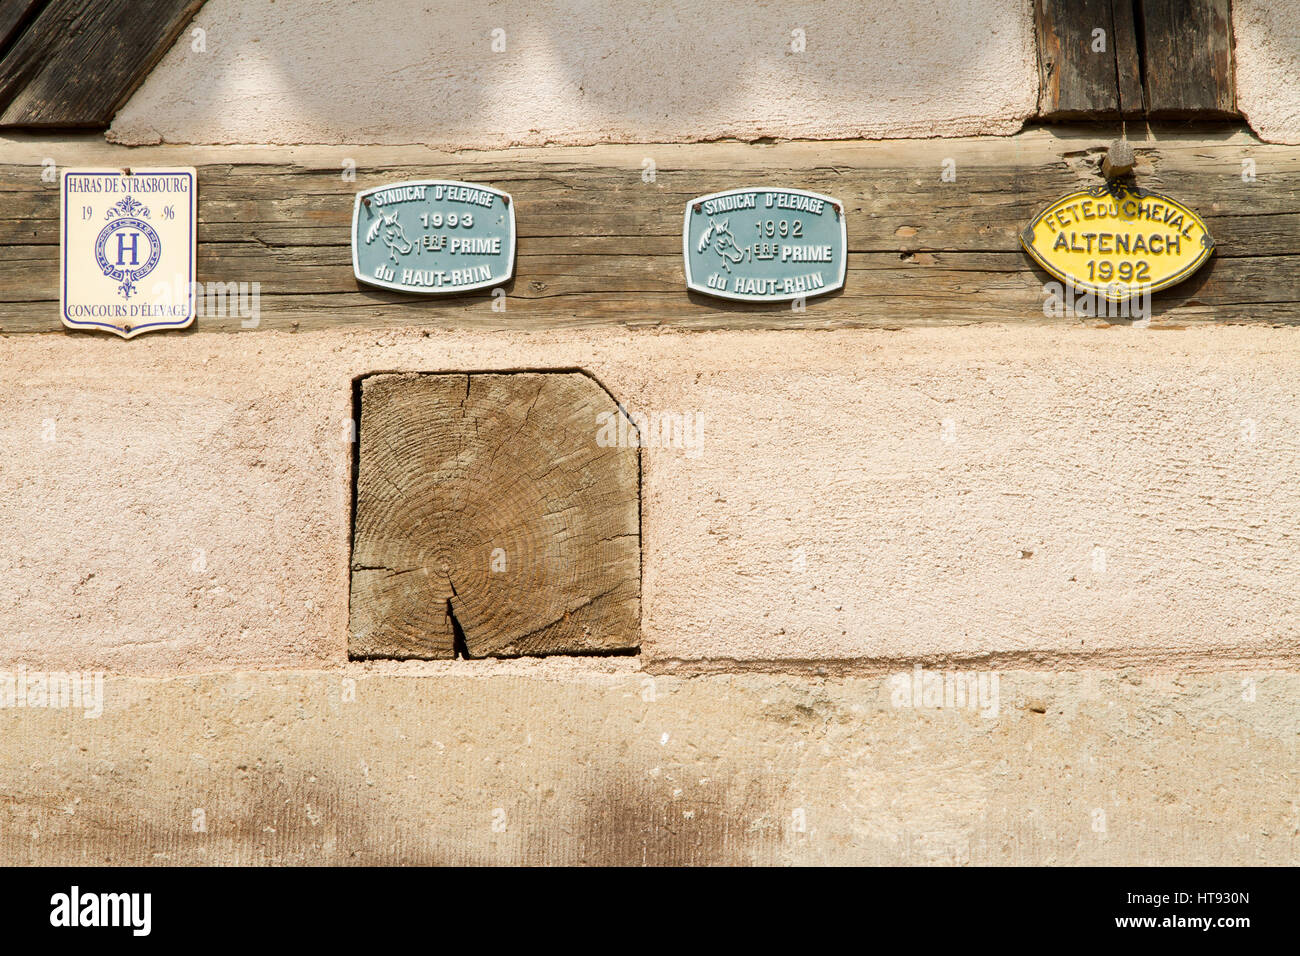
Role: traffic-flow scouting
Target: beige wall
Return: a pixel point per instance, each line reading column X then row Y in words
column 576, row 73
column 401, row 71
column 181, row 502
column 1267, row 38
column 1103, row 519
column 594, row 762
column 1171, row 739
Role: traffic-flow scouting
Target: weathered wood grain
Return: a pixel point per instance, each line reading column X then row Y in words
column 1161, row 58
column 489, row 508
column 600, row 246
column 1188, row 55
column 1128, row 60
column 14, row 15
column 79, row 60
column 1077, row 79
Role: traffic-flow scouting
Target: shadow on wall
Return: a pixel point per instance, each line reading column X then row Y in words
column 264, row 815
column 524, row 72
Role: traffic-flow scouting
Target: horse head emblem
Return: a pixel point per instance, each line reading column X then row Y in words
column 390, row 230
column 723, row 242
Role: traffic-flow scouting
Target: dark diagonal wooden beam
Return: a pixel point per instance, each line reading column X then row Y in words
column 78, row 61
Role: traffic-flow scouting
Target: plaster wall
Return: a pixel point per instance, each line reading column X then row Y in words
column 853, row 498
column 575, row 72
column 1266, row 35
column 595, row 762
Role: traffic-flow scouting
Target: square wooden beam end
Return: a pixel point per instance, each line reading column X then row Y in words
column 494, row 518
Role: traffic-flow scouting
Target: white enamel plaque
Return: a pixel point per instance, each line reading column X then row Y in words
column 127, row 249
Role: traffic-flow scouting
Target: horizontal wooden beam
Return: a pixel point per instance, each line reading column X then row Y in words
column 599, row 244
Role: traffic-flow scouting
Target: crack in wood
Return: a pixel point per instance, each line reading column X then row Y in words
column 462, row 480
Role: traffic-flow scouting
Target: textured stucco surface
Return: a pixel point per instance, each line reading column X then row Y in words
column 535, row 763
column 1266, row 34
column 405, row 71
column 180, row 502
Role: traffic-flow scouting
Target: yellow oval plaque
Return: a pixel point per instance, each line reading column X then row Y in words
column 1118, row 241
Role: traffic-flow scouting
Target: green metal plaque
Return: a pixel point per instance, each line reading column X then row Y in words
column 433, row 237
column 764, row 245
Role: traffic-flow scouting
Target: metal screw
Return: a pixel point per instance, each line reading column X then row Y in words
column 696, row 207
